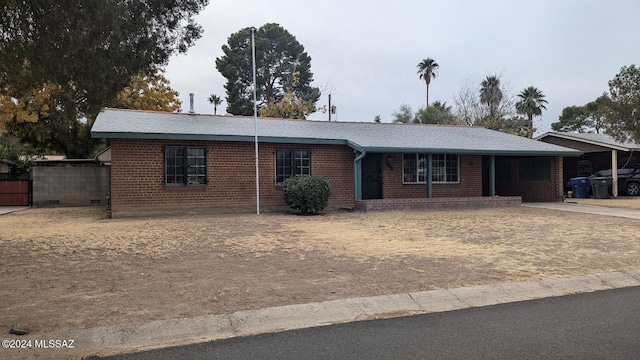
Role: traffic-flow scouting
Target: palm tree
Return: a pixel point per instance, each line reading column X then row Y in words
column 215, row 100
column 531, row 103
column 427, row 71
column 490, row 94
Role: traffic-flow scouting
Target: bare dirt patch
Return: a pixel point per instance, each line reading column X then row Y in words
column 70, row 268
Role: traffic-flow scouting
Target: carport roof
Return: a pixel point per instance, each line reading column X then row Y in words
column 603, row 140
column 370, row 137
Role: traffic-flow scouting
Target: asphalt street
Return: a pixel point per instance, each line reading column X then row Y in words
column 597, row 325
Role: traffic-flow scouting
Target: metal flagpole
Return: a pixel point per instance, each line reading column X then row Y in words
column 255, row 118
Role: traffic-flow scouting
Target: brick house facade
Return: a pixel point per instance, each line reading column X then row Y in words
column 138, row 184
column 549, row 188
column 212, row 166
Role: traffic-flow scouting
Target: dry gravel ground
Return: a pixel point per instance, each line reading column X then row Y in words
column 71, row 268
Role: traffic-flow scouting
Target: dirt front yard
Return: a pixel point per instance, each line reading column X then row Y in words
column 70, row 268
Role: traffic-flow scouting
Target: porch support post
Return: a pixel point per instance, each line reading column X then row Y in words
column 492, row 175
column 429, row 176
column 614, row 172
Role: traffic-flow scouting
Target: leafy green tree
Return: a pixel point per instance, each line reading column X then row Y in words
column 491, row 94
column 427, row 71
column 531, row 104
column 15, row 152
column 377, row 119
column 215, row 100
column 148, row 92
column 515, row 125
column 572, row 119
column 282, row 66
column 288, row 108
column 596, row 112
column 587, row 118
column 89, row 53
column 403, row 115
column 437, row 113
column 36, row 122
column 623, row 117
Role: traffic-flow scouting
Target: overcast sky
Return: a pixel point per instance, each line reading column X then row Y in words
column 366, row 53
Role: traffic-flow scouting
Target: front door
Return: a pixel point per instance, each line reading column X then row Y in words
column 372, row 176
column 486, row 175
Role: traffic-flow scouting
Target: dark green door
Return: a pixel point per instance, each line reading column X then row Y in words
column 486, row 173
column 372, row 176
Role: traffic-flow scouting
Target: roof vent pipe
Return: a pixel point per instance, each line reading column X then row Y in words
column 191, row 112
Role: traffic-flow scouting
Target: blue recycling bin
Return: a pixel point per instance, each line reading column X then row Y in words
column 580, row 187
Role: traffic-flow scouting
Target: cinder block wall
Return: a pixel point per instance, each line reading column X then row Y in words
column 70, row 185
column 138, row 177
column 470, row 180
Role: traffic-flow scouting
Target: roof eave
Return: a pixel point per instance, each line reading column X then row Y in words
column 370, row 149
column 586, row 141
column 212, row 137
column 298, row 140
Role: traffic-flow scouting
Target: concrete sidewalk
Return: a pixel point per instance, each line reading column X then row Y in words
column 162, row 333
column 10, row 209
column 587, row 209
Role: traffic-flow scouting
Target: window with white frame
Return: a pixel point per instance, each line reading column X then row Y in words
column 445, row 169
column 185, row 165
column 292, row 162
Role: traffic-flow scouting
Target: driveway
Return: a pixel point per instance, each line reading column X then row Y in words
column 579, row 207
column 10, row 209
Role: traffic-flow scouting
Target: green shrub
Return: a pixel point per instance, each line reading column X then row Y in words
column 307, row 194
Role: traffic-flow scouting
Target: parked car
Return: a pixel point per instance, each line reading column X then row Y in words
column 628, row 179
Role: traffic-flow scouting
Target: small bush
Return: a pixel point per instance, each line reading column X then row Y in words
column 307, row 194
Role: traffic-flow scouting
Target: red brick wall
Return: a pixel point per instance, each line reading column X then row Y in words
column 548, row 190
column 470, row 180
column 137, row 176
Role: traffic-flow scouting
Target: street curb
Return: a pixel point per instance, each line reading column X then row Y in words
column 172, row 332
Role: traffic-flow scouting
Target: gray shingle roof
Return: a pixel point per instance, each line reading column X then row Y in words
column 371, row 137
column 598, row 139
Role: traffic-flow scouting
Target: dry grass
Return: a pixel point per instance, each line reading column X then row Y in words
column 72, row 268
column 498, row 236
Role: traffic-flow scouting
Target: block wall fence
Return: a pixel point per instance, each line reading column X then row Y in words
column 70, row 185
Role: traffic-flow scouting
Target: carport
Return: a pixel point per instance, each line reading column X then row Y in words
column 600, row 151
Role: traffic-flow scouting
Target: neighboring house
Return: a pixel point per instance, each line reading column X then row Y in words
column 600, row 151
column 6, row 166
column 169, row 161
